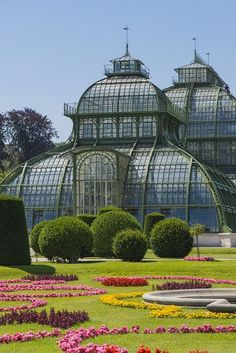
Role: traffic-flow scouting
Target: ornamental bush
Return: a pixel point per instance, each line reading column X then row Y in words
column 34, row 236
column 130, row 245
column 87, row 218
column 150, row 220
column 14, row 244
column 106, row 226
column 65, row 238
column 108, row 209
column 171, row 238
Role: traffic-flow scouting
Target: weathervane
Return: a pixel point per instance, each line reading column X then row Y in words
column 195, row 47
column 126, row 29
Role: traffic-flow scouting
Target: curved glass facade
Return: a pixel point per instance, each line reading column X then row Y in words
column 126, row 152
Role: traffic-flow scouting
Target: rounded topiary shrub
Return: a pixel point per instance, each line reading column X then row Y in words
column 34, row 236
column 130, row 245
column 14, row 242
column 171, row 238
column 108, row 209
column 87, row 218
column 65, row 238
column 150, row 220
column 106, row 226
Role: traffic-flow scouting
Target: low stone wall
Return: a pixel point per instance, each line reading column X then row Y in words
column 225, row 240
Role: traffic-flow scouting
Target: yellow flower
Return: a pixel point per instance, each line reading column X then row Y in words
column 157, row 310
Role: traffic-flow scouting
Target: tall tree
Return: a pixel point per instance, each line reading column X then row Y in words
column 28, row 133
column 3, row 153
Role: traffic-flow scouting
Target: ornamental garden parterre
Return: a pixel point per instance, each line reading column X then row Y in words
column 95, row 306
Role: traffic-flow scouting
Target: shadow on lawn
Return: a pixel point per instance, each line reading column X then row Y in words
column 36, row 269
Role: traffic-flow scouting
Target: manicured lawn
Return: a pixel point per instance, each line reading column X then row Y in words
column 101, row 314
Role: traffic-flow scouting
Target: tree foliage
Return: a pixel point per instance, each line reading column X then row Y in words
column 3, row 153
column 28, row 133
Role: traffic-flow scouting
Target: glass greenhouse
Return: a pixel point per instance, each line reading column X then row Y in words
column 126, row 151
column 210, row 132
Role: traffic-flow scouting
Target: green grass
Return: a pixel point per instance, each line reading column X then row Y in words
column 101, row 314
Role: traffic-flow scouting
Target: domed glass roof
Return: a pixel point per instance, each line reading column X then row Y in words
column 211, row 114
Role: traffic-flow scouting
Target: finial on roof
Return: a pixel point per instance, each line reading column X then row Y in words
column 127, row 53
column 208, row 58
column 195, row 48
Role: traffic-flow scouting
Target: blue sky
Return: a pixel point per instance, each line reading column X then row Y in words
column 52, row 50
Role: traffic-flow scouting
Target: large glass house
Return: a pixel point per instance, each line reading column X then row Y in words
column 210, row 132
column 125, row 150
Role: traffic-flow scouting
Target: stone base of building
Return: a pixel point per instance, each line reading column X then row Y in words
column 224, row 240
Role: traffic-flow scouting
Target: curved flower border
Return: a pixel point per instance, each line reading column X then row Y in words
column 35, row 303
column 47, row 285
column 71, row 342
column 189, row 278
column 28, row 336
column 158, row 310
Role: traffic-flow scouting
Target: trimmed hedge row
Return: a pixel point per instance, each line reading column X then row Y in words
column 14, row 244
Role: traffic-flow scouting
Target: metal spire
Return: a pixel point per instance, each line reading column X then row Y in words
column 208, row 58
column 195, row 48
column 127, row 53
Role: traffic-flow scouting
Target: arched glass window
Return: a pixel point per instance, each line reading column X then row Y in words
column 147, row 127
column 96, row 181
column 127, row 127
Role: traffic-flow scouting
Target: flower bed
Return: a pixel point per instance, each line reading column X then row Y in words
column 199, row 258
column 160, row 311
column 124, row 281
column 62, row 319
column 35, row 303
column 28, row 336
column 183, row 285
column 188, row 278
column 71, row 342
column 39, row 286
column 45, row 285
column 64, row 278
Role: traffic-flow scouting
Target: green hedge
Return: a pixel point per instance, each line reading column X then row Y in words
column 87, row 218
column 65, row 238
column 106, row 226
column 14, row 244
column 130, row 245
column 108, row 209
column 34, row 236
column 171, row 238
column 150, row 220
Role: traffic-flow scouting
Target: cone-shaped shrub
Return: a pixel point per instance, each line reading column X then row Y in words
column 106, row 226
column 34, row 236
column 87, row 218
column 171, row 238
column 14, row 242
column 66, row 238
column 130, row 245
column 150, row 220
